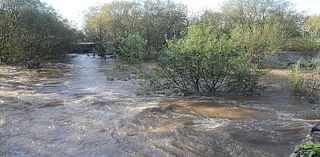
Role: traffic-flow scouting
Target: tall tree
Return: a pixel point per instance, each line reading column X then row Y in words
column 252, row 12
column 261, row 26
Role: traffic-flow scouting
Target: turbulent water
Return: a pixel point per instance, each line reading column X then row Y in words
column 80, row 110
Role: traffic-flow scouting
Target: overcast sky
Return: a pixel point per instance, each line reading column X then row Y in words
column 73, row 9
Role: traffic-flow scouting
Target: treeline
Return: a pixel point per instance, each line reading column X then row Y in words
column 31, row 33
column 158, row 21
column 154, row 21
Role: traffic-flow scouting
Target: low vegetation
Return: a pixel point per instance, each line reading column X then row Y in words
column 309, row 150
column 305, row 80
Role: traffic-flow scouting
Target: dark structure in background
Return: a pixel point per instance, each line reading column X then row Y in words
column 84, row 47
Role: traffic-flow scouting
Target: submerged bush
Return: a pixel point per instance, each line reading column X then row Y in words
column 295, row 79
column 312, row 79
column 307, row 84
column 206, row 61
column 245, row 76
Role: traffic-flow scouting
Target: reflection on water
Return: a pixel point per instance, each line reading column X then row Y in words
column 78, row 111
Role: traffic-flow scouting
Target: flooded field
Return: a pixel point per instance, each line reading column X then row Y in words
column 89, row 108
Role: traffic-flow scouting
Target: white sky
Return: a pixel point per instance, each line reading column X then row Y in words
column 73, row 9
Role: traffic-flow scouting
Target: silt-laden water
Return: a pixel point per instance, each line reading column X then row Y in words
column 77, row 110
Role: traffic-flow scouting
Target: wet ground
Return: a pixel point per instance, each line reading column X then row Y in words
column 89, row 108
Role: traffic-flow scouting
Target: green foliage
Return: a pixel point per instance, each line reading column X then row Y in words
column 154, row 21
column 262, row 26
column 307, row 84
column 309, row 150
column 32, row 33
column 248, row 13
column 210, row 17
column 312, row 27
column 111, row 22
column 223, row 50
column 301, row 45
column 245, row 76
column 133, row 49
column 257, row 41
column 312, row 79
column 162, row 21
column 257, row 26
column 204, row 61
column 295, row 79
column 154, row 80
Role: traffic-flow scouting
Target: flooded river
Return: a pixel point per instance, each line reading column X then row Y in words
column 89, row 108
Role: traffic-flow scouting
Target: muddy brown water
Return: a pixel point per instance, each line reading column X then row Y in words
column 78, row 111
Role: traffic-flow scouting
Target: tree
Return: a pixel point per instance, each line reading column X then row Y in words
column 162, row 20
column 250, row 13
column 133, row 49
column 262, row 26
column 96, row 28
column 155, row 21
column 112, row 22
column 32, row 33
column 258, row 42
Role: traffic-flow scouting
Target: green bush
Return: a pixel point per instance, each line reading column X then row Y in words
column 206, row 61
column 312, row 82
column 245, row 77
column 133, row 49
column 305, row 84
column 295, row 79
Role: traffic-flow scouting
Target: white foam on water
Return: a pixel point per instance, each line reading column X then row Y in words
column 91, row 89
column 2, row 122
column 211, row 123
